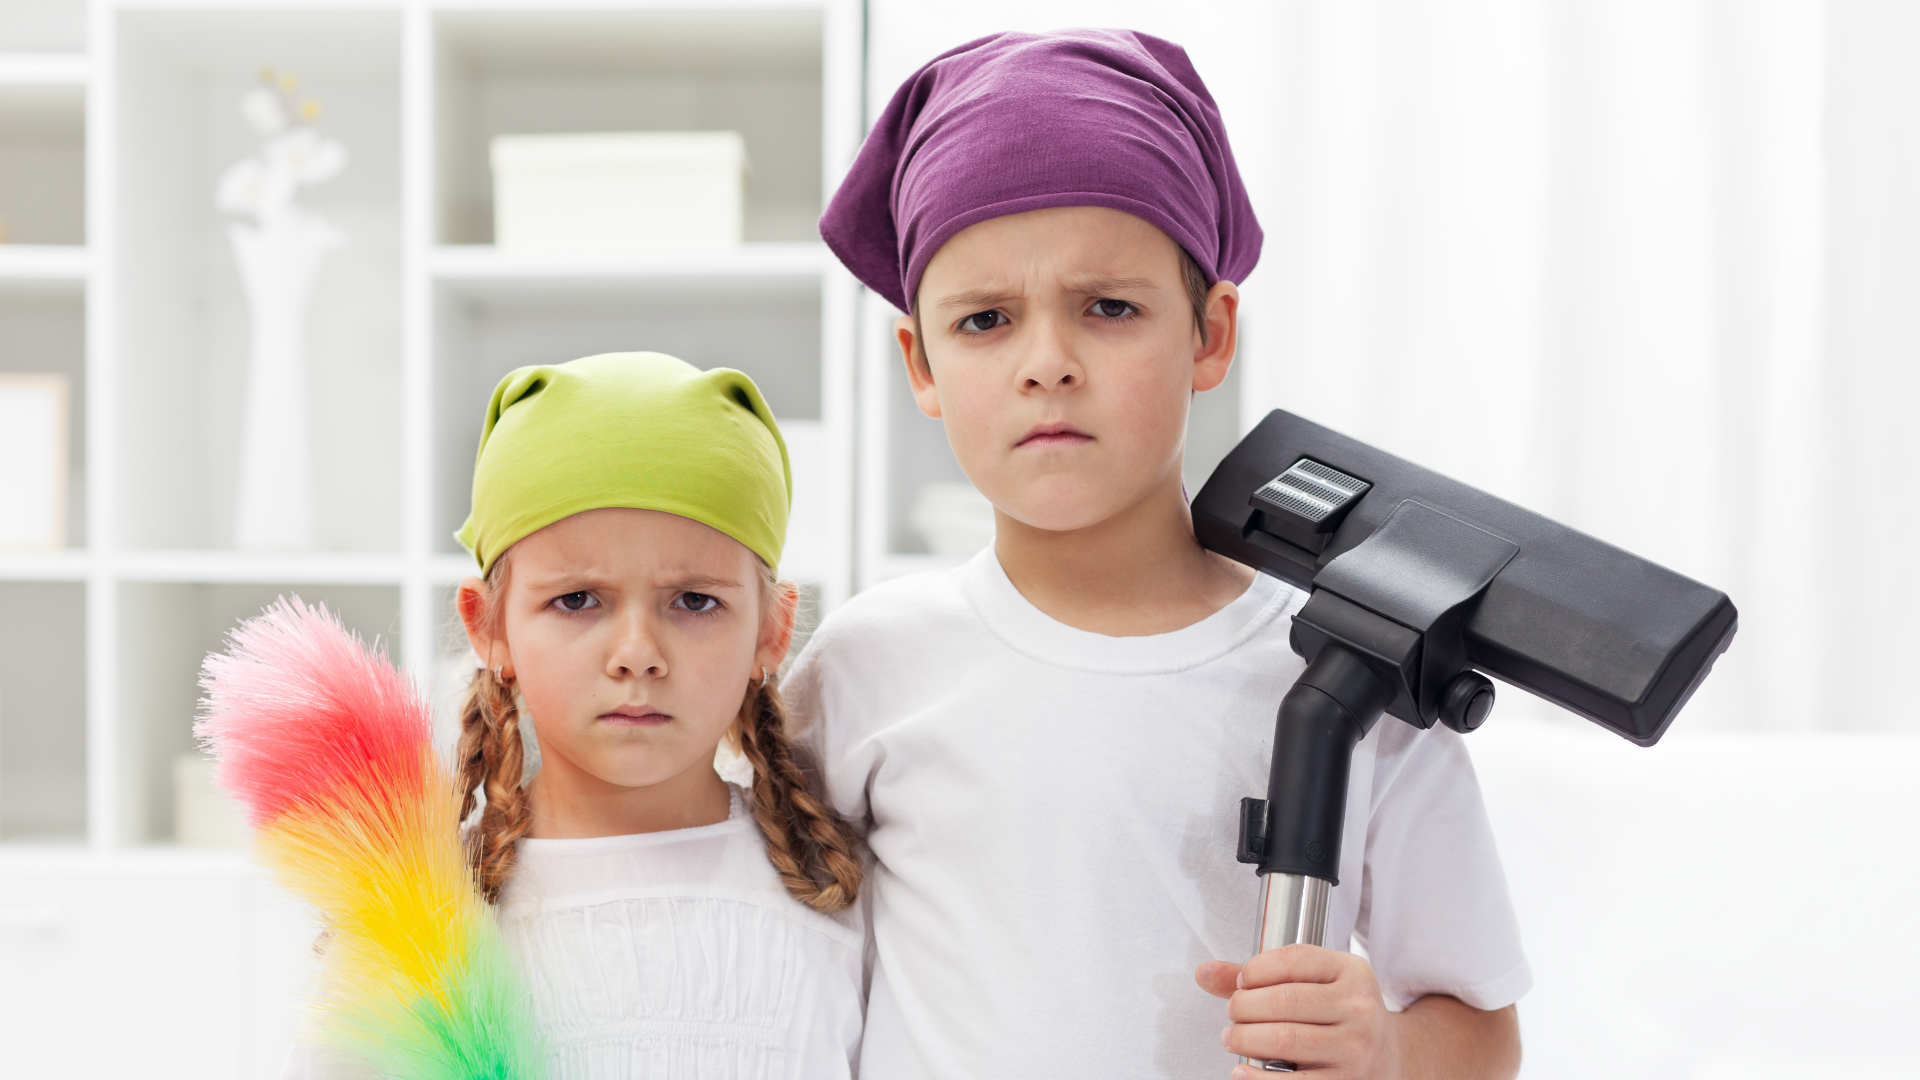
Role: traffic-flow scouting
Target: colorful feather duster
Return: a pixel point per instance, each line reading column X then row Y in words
column 331, row 752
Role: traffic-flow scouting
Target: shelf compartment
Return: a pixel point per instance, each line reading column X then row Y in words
column 753, row 69
column 165, row 631
column 44, row 26
column 44, row 333
column 42, row 152
column 43, row 712
column 180, row 357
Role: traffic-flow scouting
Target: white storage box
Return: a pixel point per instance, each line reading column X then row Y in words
column 204, row 815
column 33, row 461
column 618, row 193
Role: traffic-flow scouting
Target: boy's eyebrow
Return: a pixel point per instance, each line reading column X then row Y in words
column 975, row 299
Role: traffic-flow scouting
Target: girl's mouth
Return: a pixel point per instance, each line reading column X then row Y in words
column 635, row 716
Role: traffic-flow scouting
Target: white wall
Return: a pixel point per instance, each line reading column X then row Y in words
column 1644, row 267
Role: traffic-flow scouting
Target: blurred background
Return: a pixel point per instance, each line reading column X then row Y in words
column 1648, row 268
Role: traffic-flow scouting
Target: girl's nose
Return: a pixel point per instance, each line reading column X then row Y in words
column 636, row 650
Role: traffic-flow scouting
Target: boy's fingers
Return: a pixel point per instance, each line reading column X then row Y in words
column 1293, row 1002
column 1293, row 963
column 1303, row 1044
column 1217, row 978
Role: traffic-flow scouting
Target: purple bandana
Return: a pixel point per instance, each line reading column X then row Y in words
column 1018, row 121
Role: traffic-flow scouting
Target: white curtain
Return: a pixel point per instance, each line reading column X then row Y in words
column 1648, row 267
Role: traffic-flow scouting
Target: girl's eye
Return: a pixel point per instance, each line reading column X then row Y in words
column 698, row 603
column 969, row 326
column 582, row 596
column 1124, row 310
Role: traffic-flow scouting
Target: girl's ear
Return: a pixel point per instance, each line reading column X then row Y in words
column 471, row 600
column 776, row 628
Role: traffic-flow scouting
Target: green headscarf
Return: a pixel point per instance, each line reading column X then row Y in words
column 637, row 429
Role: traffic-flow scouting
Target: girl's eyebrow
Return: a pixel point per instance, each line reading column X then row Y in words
column 705, row 581
column 688, row 580
column 975, row 299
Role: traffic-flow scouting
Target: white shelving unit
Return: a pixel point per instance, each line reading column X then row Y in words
column 45, row 270
column 116, row 118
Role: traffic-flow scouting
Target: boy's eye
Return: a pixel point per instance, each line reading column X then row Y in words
column 1114, row 309
column 698, row 603
column 581, row 596
column 968, row 325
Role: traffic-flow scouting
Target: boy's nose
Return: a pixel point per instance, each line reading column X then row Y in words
column 1050, row 361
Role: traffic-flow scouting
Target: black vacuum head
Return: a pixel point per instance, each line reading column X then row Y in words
column 1577, row 621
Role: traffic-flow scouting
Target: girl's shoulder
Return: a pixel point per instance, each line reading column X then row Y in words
column 718, row 874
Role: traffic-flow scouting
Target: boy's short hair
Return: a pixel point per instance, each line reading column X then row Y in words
column 1191, row 276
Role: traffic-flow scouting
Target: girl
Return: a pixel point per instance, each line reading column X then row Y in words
column 675, row 893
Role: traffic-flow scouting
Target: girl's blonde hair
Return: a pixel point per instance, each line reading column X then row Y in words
column 812, row 848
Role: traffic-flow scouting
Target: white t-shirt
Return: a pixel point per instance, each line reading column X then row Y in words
column 672, row 954
column 1053, row 817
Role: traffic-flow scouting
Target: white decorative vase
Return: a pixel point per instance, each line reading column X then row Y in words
column 273, row 508
column 278, row 250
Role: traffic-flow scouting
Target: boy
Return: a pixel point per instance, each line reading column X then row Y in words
column 1050, row 742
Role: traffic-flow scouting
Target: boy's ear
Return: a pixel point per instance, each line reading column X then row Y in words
column 1215, row 355
column 919, row 373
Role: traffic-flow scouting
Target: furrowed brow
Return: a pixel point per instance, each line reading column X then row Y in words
column 697, row 583
column 1087, row 284
column 692, row 581
column 1102, row 284
column 976, row 299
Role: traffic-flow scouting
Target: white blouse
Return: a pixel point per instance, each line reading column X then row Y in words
column 672, row 954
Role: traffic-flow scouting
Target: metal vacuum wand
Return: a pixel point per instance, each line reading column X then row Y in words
column 1415, row 581
column 1293, row 835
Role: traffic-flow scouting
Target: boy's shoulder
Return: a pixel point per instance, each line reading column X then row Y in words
column 918, row 604
column 878, row 641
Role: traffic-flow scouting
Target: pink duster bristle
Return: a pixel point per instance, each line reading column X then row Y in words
column 296, row 707
column 330, row 750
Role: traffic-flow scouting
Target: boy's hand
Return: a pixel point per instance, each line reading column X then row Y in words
column 1318, row 1008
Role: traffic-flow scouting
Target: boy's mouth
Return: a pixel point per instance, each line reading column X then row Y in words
column 1054, row 435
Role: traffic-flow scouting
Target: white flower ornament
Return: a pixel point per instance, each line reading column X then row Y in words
column 295, row 155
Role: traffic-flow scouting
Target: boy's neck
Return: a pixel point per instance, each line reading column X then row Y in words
column 1138, row 572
